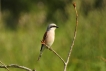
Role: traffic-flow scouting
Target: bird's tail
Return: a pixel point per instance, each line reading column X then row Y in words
column 41, row 50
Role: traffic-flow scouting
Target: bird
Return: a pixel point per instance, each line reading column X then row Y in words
column 48, row 37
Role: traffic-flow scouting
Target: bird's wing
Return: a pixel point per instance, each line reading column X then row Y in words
column 42, row 46
column 43, row 41
column 44, row 37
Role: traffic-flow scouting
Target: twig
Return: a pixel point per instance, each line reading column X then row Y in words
column 16, row 66
column 4, row 66
column 103, row 59
column 71, row 47
column 55, row 53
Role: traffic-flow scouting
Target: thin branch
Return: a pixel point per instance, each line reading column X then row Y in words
column 17, row 66
column 103, row 59
column 4, row 66
column 71, row 47
column 55, row 53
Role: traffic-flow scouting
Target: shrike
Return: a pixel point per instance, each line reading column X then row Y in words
column 48, row 37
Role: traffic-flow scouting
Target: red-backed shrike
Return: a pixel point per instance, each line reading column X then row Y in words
column 48, row 37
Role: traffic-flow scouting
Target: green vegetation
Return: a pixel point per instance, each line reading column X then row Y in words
column 21, row 45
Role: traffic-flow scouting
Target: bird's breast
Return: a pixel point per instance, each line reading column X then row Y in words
column 50, row 37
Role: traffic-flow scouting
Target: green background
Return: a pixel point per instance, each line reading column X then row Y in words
column 23, row 23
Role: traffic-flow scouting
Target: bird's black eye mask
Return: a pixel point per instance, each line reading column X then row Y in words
column 54, row 27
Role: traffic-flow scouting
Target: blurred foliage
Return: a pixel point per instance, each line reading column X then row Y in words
column 18, row 6
column 55, row 9
column 23, row 23
column 88, row 5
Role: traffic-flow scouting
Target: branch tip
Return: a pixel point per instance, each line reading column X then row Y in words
column 74, row 4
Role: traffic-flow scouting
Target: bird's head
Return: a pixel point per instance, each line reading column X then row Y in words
column 52, row 26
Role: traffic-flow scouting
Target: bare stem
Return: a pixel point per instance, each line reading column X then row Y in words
column 4, row 66
column 103, row 59
column 71, row 47
column 17, row 66
column 55, row 53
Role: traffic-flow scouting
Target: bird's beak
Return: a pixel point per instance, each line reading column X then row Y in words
column 57, row 27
